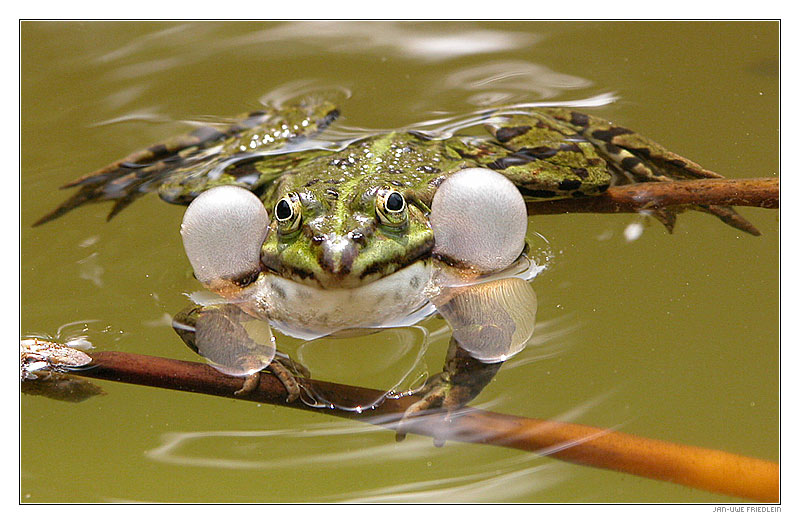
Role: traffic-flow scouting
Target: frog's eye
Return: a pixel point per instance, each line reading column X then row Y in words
column 289, row 213
column 222, row 231
column 391, row 208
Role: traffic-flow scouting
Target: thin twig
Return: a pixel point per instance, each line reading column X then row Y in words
column 707, row 469
column 632, row 198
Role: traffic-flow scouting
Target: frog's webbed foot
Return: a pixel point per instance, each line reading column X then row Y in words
column 559, row 152
column 461, row 380
column 141, row 172
column 179, row 168
column 639, row 159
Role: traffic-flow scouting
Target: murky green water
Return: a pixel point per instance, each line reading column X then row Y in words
column 672, row 337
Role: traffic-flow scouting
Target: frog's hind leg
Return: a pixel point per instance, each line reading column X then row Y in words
column 230, row 339
column 544, row 157
column 127, row 179
column 183, row 167
column 639, row 159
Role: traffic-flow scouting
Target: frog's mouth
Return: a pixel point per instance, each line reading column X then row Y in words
column 342, row 264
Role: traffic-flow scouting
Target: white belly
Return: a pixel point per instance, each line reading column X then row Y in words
column 307, row 312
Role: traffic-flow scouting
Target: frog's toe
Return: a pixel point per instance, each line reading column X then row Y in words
column 250, row 384
column 288, row 379
column 446, row 394
column 433, row 398
column 281, row 372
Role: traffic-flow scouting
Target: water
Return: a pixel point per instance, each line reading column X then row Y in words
column 666, row 336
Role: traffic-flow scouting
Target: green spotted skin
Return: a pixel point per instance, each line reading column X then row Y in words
column 340, row 240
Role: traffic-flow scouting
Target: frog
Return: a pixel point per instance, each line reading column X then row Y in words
column 322, row 238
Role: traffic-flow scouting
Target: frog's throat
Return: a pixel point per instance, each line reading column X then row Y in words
column 307, row 312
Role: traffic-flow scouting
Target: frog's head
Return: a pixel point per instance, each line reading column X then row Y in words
column 344, row 235
column 316, row 236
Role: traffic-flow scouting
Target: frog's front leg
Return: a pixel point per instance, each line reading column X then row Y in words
column 238, row 344
column 280, row 367
column 479, row 221
column 461, row 380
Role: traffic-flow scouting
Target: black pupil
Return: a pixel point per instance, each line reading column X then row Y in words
column 394, row 202
column 283, row 210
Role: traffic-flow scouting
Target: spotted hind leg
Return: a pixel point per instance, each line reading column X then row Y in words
column 179, row 168
column 626, row 157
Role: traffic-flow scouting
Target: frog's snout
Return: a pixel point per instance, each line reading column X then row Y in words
column 337, row 254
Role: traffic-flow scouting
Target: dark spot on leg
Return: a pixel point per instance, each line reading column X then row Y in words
column 541, row 152
column 509, row 161
column 613, row 150
column 578, row 194
column 158, row 149
column 579, row 119
column 580, row 172
column 630, row 163
column 414, row 282
column 569, row 185
column 606, row 135
column 602, row 188
column 504, row 134
column 537, row 193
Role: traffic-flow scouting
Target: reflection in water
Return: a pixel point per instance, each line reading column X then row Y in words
column 489, row 486
column 395, row 357
column 418, row 40
column 498, row 82
column 500, row 479
column 83, row 335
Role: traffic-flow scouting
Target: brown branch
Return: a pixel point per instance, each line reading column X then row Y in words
column 632, row 198
column 707, row 469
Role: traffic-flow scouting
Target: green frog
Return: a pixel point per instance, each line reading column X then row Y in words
column 324, row 237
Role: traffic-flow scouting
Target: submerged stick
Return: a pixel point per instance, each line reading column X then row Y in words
column 755, row 192
column 706, row 469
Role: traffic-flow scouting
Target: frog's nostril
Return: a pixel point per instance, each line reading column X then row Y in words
column 358, row 237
